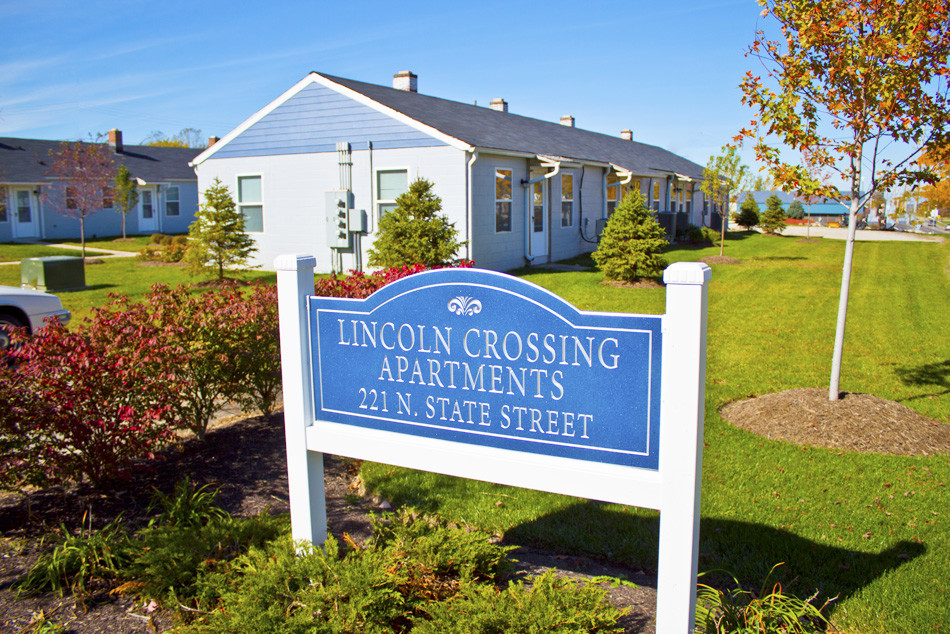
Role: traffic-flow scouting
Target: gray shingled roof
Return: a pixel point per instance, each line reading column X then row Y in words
column 491, row 129
column 28, row 161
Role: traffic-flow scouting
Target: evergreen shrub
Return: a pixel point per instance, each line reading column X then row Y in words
column 415, row 232
column 772, row 220
column 631, row 245
column 748, row 215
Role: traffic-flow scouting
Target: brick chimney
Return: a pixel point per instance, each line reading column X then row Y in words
column 115, row 140
column 567, row 120
column 405, row 80
column 626, row 135
column 212, row 140
column 499, row 104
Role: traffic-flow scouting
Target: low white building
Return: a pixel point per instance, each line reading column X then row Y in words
column 519, row 190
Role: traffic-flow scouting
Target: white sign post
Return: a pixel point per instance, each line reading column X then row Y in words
column 480, row 375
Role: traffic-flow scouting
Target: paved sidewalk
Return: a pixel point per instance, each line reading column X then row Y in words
column 96, row 252
column 860, row 234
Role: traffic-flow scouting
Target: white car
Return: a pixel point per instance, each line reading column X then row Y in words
column 20, row 307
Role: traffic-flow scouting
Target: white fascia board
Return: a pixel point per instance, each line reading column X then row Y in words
column 566, row 162
column 257, row 116
column 395, row 114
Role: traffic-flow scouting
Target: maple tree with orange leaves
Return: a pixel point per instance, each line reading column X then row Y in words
column 862, row 87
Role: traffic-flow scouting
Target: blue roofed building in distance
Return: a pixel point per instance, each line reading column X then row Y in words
column 821, row 210
column 518, row 190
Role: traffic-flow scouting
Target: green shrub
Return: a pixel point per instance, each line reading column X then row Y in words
column 156, row 238
column 173, row 252
column 182, row 240
column 148, row 254
column 188, row 505
column 748, row 215
column 415, row 232
column 767, row 612
column 796, row 210
column 772, row 220
column 75, row 561
column 710, row 235
column 171, row 560
column 551, row 604
column 631, row 244
column 410, row 562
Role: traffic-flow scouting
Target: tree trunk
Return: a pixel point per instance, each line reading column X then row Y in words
column 722, row 223
column 82, row 236
column 123, row 224
column 834, row 391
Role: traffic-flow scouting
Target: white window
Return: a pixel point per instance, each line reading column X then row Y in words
column 656, row 195
column 567, row 200
column 171, row 201
column 390, row 185
column 502, row 200
column 250, row 203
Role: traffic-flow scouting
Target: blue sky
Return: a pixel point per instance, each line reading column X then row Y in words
column 667, row 70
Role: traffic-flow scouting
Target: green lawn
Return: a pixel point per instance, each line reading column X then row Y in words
column 871, row 529
column 124, row 276
column 133, row 244
column 14, row 252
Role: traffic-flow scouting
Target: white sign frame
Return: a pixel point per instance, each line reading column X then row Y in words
column 673, row 489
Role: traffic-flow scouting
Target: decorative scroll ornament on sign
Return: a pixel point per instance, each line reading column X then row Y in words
column 464, row 306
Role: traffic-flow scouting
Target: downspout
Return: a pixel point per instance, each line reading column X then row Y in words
column 546, row 163
column 469, row 202
column 582, row 222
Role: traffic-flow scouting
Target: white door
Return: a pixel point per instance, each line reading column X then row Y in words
column 25, row 223
column 147, row 220
column 538, row 221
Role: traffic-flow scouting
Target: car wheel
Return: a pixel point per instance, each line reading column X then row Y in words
column 7, row 322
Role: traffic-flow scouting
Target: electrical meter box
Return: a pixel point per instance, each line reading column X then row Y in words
column 356, row 220
column 338, row 205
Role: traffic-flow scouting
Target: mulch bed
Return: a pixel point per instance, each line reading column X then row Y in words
column 648, row 283
column 246, row 457
column 719, row 259
column 159, row 263
column 856, row 422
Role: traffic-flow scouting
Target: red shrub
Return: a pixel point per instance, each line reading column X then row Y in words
column 81, row 404
column 358, row 285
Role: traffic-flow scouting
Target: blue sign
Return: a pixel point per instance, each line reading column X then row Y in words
column 483, row 358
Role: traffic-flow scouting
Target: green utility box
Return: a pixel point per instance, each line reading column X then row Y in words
column 54, row 273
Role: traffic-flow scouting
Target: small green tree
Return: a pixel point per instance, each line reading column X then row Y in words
column 748, row 215
column 632, row 242
column 216, row 239
column 125, row 194
column 796, row 210
column 772, row 220
column 415, row 232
